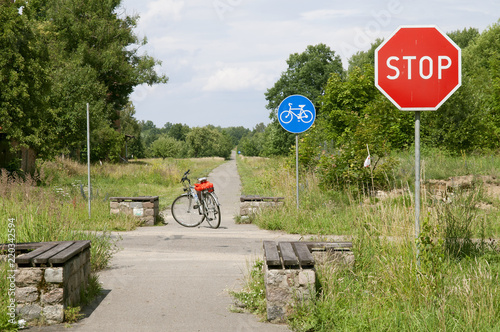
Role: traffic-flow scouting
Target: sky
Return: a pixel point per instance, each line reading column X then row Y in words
column 221, row 56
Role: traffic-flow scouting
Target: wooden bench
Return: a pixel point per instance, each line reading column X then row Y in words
column 294, row 255
column 49, row 277
column 289, row 273
column 46, row 253
column 255, row 198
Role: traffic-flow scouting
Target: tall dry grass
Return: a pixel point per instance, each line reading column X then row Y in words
column 454, row 283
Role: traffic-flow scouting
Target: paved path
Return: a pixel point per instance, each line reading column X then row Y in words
column 173, row 278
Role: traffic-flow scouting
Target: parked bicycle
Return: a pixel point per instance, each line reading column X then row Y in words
column 199, row 202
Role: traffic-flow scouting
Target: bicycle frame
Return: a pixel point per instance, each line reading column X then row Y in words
column 305, row 115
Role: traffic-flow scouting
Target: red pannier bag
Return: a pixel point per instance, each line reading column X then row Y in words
column 204, row 186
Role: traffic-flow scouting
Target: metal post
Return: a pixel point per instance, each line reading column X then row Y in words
column 417, row 181
column 88, row 155
column 297, row 166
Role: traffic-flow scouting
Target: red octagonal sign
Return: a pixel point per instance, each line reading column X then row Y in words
column 418, row 68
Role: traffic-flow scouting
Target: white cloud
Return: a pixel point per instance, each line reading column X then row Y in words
column 213, row 64
column 164, row 10
column 235, row 79
column 324, row 14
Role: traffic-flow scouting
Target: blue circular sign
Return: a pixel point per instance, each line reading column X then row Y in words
column 296, row 114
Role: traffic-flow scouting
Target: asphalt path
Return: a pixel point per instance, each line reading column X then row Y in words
column 173, row 278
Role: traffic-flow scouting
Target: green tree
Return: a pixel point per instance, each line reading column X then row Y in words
column 469, row 119
column 355, row 114
column 208, row 142
column 106, row 143
column 149, row 134
column 131, row 130
column 24, row 86
column 252, row 144
column 464, row 37
column 307, row 75
column 236, row 133
column 166, row 147
column 363, row 58
column 94, row 58
column 178, row 131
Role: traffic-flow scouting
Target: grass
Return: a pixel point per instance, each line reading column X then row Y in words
column 50, row 206
column 455, row 284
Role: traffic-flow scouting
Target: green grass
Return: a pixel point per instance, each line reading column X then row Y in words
column 456, row 287
column 49, row 206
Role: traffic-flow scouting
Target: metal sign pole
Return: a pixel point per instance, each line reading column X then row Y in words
column 88, row 155
column 296, row 114
column 297, row 166
column 417, row 182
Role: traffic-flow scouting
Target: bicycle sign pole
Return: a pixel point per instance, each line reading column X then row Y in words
column 296, row 114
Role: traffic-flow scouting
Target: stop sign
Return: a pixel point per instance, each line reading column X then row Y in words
column 418, row 68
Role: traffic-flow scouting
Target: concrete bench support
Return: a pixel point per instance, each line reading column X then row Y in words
column 289, row 273
column 253, row 204
column 49, row 277
column 146, row 208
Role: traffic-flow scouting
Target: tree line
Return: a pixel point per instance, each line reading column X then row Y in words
column 180, row 141
column 352, row 113
column 58, row 55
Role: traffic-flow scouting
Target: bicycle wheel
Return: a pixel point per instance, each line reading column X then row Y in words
column 286, row 117
column 212, row 210
column 185, row 212
column 307, row 117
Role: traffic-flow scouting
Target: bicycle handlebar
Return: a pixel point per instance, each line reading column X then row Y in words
column 184, row 177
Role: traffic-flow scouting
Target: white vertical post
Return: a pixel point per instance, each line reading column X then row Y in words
column 88, row 156
column 297, row 166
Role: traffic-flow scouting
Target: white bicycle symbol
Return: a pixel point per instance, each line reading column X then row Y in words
column 304, row 115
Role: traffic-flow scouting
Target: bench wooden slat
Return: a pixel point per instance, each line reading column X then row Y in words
column 44, row 257
column 24, row 246
column 288, row 255
column 26, row 258
column 315, row 246
column 134, row 199
column 304, row 255
column 252, row 198
column 69, row 252
column 271, row 254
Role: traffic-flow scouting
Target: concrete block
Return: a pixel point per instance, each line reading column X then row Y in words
column 29, row 312
column 54, row 275
column 28, row 276
column 148, row 221
column 54, row 314
column 135, row 205
column 26, row 294
column 52, row 296
column 283, row 287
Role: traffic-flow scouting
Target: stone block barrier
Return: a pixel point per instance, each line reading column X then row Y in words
column 254, row 204
column 49, row 277
column 145, row 208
